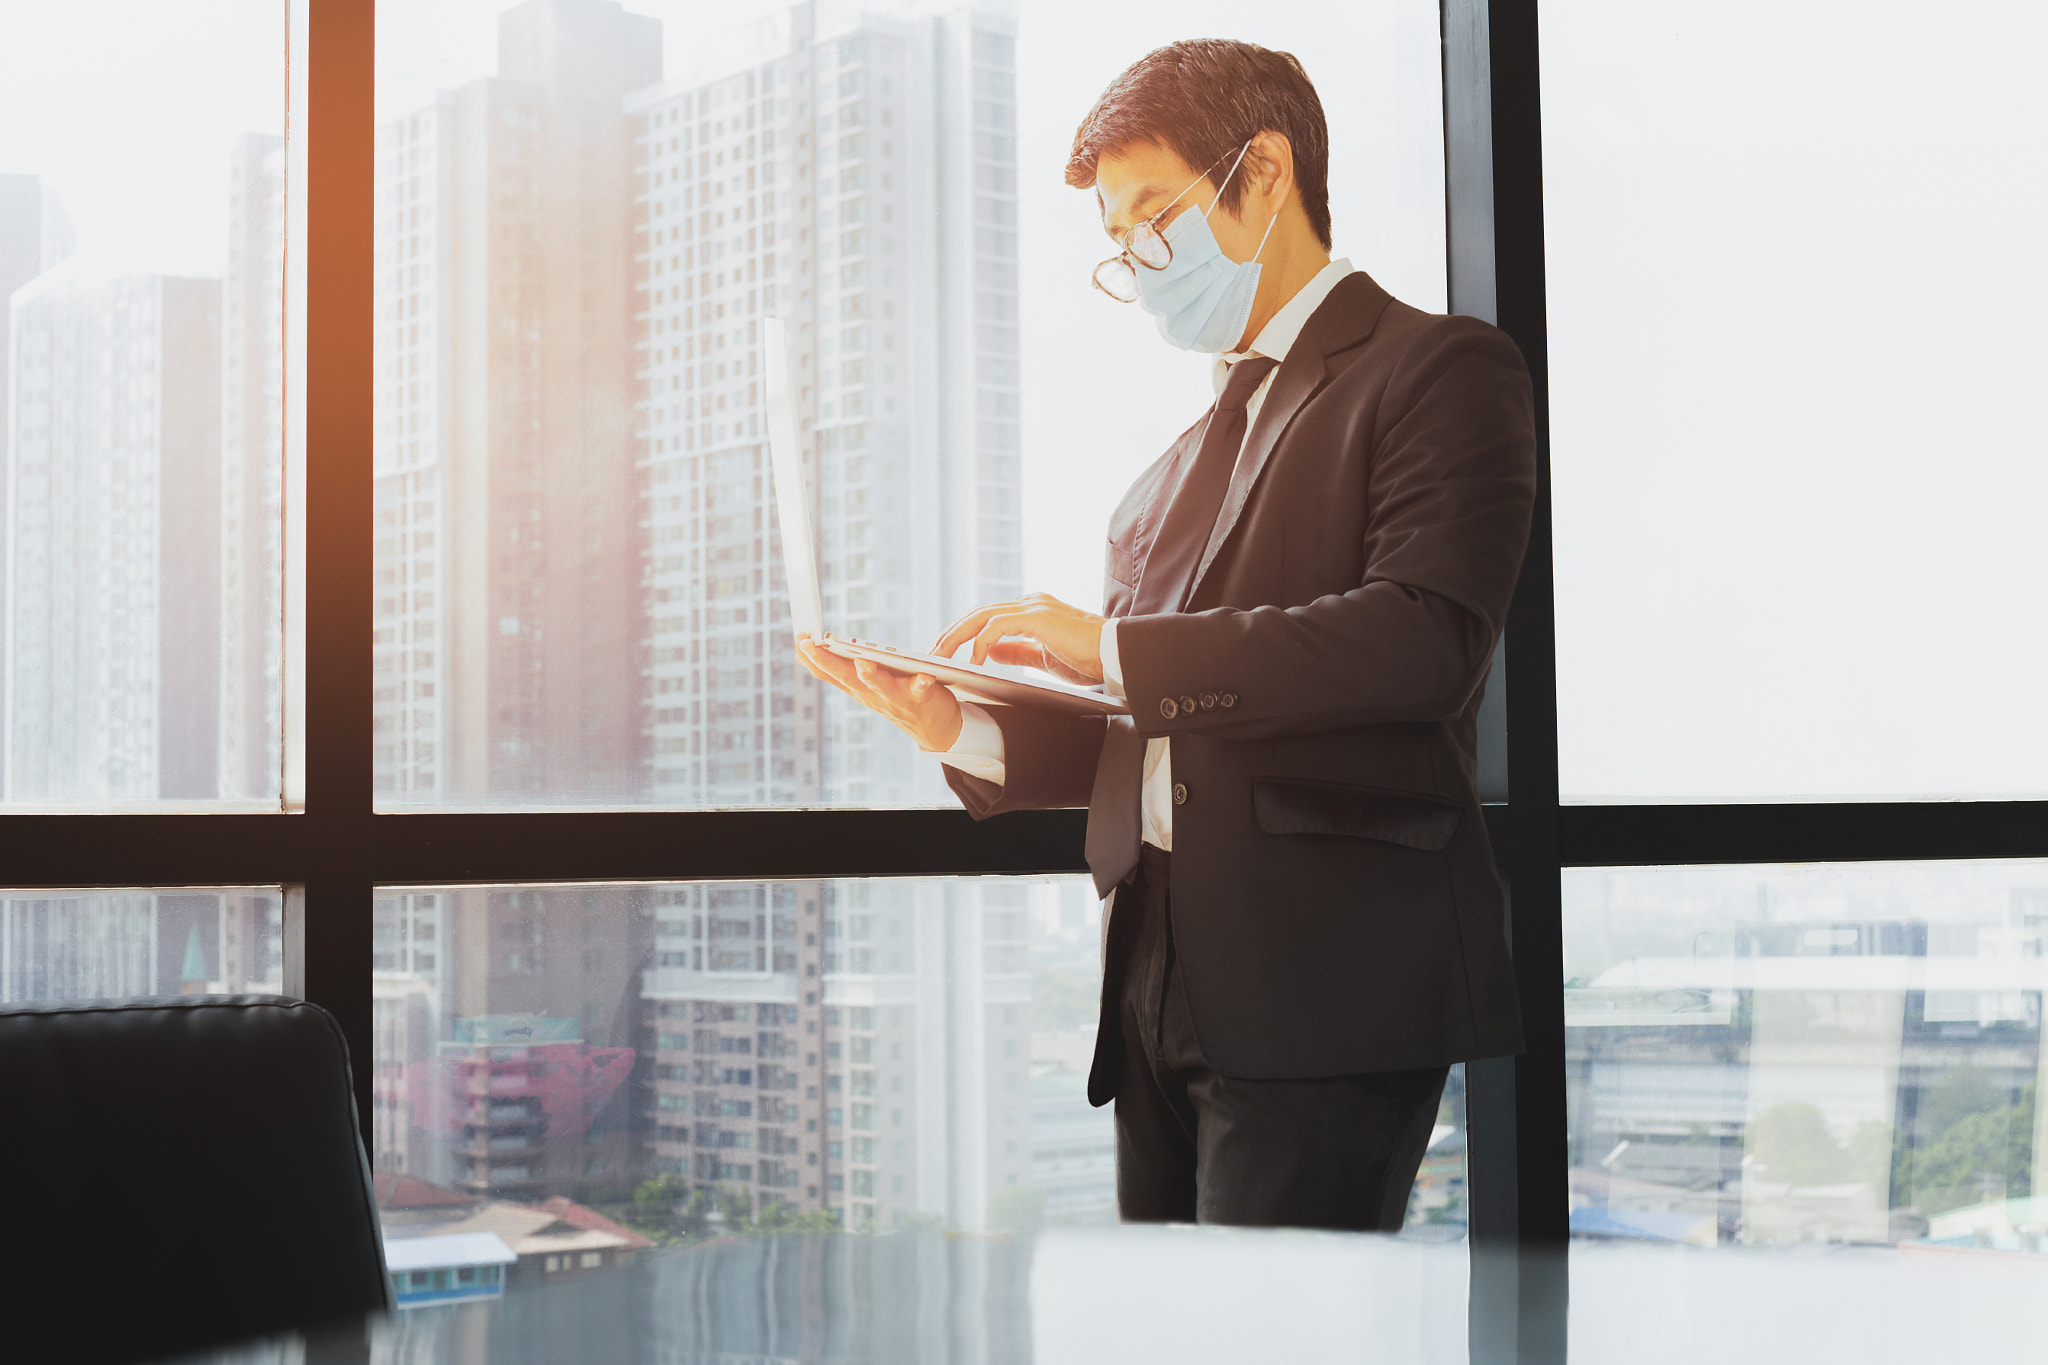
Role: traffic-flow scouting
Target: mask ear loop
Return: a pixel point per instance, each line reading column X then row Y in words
column 1268, row 233
column 1226, row 180
column 1219, row 199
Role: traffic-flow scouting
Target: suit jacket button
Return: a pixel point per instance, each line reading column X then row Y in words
column 1227, row 700
column 1180, row 793
column 1167, row 708
column 1208, row 700
column 1187, row 706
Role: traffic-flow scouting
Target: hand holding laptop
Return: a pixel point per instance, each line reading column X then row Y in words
column 1038, row 632
column 1035, row 631
column 912, row 702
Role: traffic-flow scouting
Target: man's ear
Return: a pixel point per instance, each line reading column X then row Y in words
column 1271, row 162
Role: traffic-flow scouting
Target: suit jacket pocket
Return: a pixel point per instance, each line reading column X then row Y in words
column 1284, row 805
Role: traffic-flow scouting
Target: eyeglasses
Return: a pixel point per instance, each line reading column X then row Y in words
column 1146, row 245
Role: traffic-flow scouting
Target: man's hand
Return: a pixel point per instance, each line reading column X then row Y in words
column 1038, row 631
column 914, row 704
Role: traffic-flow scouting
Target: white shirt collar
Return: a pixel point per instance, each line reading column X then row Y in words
column 1278, row 336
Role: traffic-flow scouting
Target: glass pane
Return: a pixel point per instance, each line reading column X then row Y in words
column 114, row 944
column 1845, row 1054
column 141, row 402
column 1791, row 352
column 583, row 215
column 866, row 1054
column 614, row 1069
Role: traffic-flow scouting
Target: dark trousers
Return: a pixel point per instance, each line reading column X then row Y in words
column 1196, row 1146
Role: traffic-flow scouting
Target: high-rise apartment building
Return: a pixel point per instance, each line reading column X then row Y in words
column 412, row 453
column 735, row 1038
column 851, row 172
column 507, row 1023
column 252, row 472
column 101, row 945
column 510, row 622
column 113, row 538
column 35, row 235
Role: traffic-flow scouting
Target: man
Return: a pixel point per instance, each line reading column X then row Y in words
column 1303, row 599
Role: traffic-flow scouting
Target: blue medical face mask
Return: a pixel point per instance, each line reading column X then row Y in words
column 1202, row 299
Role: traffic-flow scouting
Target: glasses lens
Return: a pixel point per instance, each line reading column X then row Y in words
column 1148, row 247
column 1116, row 279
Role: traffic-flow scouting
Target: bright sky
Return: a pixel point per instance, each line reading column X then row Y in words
column 128, row 108
column 1795, row 364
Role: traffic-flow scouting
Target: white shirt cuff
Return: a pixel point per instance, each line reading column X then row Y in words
column 1112, row 666
column 978, row 749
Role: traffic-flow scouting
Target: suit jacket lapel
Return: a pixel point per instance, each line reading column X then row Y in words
column 1344, row 319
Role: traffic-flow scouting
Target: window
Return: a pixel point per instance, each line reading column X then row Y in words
column 641, row 651
column 515, row 1088
column 1750, row 429
column 142, row 408
column 433, row 670
column 1835, row 1053
column 113, row 944
column 511, row 1089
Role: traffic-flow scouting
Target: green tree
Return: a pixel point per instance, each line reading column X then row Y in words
column 659, row 1208
column 1980, row 1152
column 1961, row 1092
column 778, row 1218
column 1790, row 1144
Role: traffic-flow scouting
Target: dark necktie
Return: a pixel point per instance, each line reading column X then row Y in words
column 1170, row 564
column 1115, row 828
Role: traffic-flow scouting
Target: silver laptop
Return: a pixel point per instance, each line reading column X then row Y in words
column 976, row 682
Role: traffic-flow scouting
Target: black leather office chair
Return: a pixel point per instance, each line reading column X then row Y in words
column 178, row 1173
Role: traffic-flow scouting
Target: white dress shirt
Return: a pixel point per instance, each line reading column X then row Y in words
column 978, row 751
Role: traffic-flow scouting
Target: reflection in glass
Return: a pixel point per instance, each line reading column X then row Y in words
column 932, row 1298
column 141, row 405
column 113, row 945
column 1828, row 1053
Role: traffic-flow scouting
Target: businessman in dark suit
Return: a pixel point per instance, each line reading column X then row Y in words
column 1303, row 597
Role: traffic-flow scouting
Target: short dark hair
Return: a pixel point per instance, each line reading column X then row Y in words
column 1203, row 99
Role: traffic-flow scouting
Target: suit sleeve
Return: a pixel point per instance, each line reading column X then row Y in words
column 1048, row 762
column 1452, row 486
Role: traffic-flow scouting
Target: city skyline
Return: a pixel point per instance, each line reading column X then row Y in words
column 1069, row 462
column 570, row 441
column 498, row 676
column 141, row 505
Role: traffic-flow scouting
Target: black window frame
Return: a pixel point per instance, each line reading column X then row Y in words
column 332, row 854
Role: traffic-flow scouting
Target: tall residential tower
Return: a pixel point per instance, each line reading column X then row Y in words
column 113, row 520
column 252, row 473
column 852, row 172
column 510, row 621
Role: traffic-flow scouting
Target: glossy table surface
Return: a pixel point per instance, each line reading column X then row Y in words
column 1081, row 1296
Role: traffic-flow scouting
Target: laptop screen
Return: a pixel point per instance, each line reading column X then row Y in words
column 792, row 496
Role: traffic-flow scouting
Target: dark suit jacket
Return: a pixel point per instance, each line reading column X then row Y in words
column 1335, row 904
